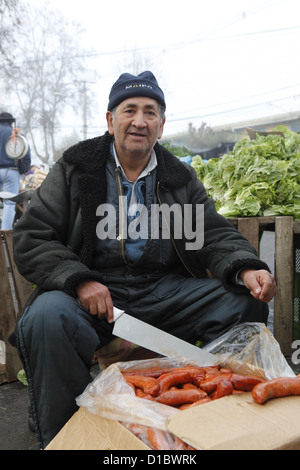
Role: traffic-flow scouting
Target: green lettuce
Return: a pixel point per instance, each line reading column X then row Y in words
column 257, row 177
column 199, row 165
column 288, row 209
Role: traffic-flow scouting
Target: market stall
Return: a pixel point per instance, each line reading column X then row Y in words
column 257, row 187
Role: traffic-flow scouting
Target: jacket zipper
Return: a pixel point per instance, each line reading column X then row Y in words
column 120, row 237
column 171, row 237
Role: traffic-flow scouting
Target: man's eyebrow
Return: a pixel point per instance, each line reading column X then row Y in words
column 147, row 106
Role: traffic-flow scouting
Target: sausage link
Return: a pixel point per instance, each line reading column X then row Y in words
column 154, row 372
column 141, row 394
column 275, row 388
column 179, row 397
column 211, row 371
column 173, row 378
column 138, row 430
column 149, row 385
column 189, row 386
column 209, row 385
column 245, row 382
column 223, row 389
column 197, row 378
column 158, row 439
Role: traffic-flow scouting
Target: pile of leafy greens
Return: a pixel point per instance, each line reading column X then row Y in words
column 258, row 177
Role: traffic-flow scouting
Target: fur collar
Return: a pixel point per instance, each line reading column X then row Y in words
column 90, row 156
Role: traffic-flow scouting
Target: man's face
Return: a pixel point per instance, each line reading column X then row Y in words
column 136, row 126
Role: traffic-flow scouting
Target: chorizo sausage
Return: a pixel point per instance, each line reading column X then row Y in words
column 197, row 378
column 158, row 371
column 148, row 384
column 138, row 430
column 209, row 385
column 141, row 394
column 223, row 389
column 158, row 439
column 211, row 371
column 154, row 372
column 275, row 388
column 179, row 397
column 245, row 382
column 189, row 386
column 173, row 378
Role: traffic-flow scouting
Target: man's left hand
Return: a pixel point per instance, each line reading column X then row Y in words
column 261, row 283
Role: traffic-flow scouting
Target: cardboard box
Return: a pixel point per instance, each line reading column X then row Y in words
column 86, row 431
column 234, row 422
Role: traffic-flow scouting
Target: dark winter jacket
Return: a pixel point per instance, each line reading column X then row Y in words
column 54, row 241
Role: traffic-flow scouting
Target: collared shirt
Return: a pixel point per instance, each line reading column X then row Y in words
column 151, row 165
column 133, row 205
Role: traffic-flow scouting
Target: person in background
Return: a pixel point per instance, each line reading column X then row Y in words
column 10, row 170
column 84, row 263
column 34, row 177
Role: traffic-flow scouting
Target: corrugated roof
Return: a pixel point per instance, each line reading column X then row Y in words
column 267, row 120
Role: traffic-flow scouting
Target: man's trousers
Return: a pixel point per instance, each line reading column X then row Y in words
column 57, row 337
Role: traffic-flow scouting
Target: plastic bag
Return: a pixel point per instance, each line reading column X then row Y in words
column 156, row 438
column 110, row 396
column 121, row 350
column 248, row 349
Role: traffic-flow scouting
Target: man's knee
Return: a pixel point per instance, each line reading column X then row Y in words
column 56, row 324
column 49, row 313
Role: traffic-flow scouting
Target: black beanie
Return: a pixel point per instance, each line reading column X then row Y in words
column 127, row 86
column 7, row 117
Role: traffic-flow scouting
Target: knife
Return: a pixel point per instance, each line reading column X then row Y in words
column 138, row 332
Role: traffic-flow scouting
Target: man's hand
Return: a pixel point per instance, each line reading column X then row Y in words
column 95, row 297
column 260, row 282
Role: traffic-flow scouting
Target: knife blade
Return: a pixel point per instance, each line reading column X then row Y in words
column 154, row 339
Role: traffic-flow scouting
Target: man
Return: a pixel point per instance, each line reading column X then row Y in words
column 10, row 170
column 74, row 242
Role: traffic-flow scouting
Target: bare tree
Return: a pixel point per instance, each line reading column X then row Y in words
column 49, row 77
column 9, row 22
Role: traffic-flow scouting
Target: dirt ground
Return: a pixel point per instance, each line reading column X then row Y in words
column 14, row 431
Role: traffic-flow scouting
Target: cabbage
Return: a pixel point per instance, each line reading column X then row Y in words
column 258, row 177
column 289, row 209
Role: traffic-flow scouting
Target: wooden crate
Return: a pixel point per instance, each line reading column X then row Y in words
column 14, row 292
column 285, row 228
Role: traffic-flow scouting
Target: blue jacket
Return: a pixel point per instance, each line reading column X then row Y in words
column 23, row 165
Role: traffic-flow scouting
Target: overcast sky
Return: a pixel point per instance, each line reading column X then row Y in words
column 217, row 61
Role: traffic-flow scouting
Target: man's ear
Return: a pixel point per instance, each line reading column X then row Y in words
column 109, row 120
column 161, row 129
